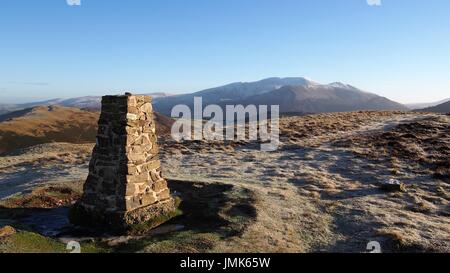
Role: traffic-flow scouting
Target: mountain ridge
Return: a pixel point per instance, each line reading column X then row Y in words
column 323, row 99
column 261, row 92
column 248, row 92
column 84, row 102
column 443, row 108
column 418, row 106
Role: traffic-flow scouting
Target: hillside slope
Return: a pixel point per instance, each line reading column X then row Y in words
column 292, row 94
column 418, row 106
column 323, row 99
column 45, row 124
column 441, row 108
column 229, row 93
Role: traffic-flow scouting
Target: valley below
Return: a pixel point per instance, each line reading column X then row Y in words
column 326, row 189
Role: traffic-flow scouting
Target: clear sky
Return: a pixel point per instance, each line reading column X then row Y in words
column 49, row 49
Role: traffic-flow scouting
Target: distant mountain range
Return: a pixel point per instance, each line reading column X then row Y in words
column 75, row 120
column 87, row 103
column 298, row 95
column 7, row 108
column 441, row 108
column 294, row 95
column 322, row 99
column 416, row 106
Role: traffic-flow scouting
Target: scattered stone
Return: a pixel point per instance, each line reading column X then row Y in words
column 7, row 231
column 66, row 240
column 120, row 240
column 393, row 185
column 125, row 186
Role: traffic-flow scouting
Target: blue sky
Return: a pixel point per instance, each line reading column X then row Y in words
column 49, row 49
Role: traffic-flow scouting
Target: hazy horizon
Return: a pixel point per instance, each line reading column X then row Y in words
column 19, row 100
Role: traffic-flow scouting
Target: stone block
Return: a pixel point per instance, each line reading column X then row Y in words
column 159, row 185
column 149, row 199
column 137, row 178
column 151, row 165
column 163, row 195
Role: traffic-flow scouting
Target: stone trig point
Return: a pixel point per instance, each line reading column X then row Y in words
column 125, row 187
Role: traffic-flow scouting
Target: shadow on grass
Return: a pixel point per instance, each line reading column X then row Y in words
column 210, row 212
